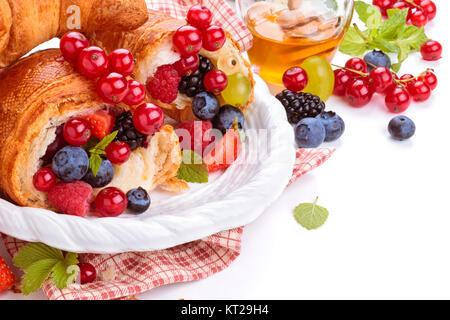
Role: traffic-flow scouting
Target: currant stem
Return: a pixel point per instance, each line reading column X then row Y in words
column 411, row 2
column 351, row 70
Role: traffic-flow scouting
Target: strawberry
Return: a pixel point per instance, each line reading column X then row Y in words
column 198, row 136
column 102, row 123
column 6, row 276
column 225, row 152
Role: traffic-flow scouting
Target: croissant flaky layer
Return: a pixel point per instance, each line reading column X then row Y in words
column 151, row 45
column 39, row 94
column 24, row 24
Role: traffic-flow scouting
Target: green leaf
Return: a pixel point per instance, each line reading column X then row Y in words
column 33, row 252
column 192, row 168
column 40, row 261
column 95, row 161
column 36, row 274
column 106, row 141
column 391, row 26
column 310, row 215
column 353, row 44
column 370, row 15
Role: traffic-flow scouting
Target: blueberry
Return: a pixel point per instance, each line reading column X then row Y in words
column 309, row 133
column 401, row 128
column 334, row 125
column 205, row 106
column 224, row 119
column 104, row 175
column 377, row 58
column 70, row 164
column 138, row 200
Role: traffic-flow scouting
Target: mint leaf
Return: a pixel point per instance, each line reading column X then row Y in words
column 95, row 161
column 40, row 262
column 310, row 215
column 390, row 27
column 36, row 274
column 370, row 15
column 353, row 44
column 192, row 168
column 34, row 252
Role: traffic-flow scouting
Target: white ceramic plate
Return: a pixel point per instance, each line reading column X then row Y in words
column 232, row 199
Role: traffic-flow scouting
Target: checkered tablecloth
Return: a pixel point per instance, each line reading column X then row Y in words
column 126, row 274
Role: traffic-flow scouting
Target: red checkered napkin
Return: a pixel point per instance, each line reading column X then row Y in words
column 126, row 274
column 223, row 15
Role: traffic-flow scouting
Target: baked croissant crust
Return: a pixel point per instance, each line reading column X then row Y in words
column 151, row 45
column 40, row 93
column 24, row 24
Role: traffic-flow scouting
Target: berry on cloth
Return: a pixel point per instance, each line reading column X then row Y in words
column 71, row 198
column 164, row 84
column 6, row 276
column 88, row 274
column 225, row 152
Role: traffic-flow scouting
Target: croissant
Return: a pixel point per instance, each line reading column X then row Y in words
column 151, row 45
column 24, row 24
column 39, row 94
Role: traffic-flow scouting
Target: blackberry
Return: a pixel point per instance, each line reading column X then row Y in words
column 193, row 84
column 127, row 132
column 300, row 105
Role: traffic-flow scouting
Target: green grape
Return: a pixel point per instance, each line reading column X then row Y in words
column 320, row 77
column 238, row 91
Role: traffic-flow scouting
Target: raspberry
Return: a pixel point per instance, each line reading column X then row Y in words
column 164, row 85
column 71, row 198
column 198, row 139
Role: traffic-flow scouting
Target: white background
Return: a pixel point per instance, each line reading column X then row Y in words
column 388, row 232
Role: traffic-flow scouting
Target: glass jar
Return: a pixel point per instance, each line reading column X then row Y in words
column 286, row 32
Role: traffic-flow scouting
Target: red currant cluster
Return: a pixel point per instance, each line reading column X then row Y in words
column 357, row 86
column 420, row 12
column 189, row 40
column 111, row 71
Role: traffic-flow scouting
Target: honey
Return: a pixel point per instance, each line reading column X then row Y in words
column 282, row 40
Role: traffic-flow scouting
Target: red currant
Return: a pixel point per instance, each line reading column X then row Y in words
column 71, row 45
column 357, row 64
column 93, row 62
column 121, row 61
column 397, row 99
column 112, row 88
column 136, row 93
column 213, row 38
column 380, row 79
column 77, row 131
column 199, row 16
column 110, row 202
column 295, row 79
column 44, row 179
column 418, row 18
column 342, row 78
column 187, row 41
column 419, row 91
column 431, row 50
column 429, row 8
column 88, row 273
column 187, row 65
column 118, row 152
column 430, row 79
column 148, row 118
column 358, row 93
column 215, row 81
